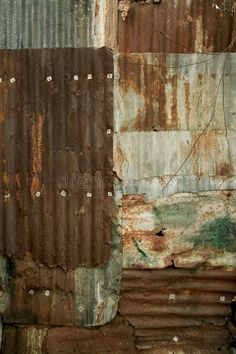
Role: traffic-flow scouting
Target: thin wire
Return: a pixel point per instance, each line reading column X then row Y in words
column 181, row 45
column 211, row 119
column 226, row 50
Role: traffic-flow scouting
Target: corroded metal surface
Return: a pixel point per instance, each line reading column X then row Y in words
column 177, row 26
column 57, row 23
column 185, row 230
column 56, row 155
column 155, row 92
column 178, row 307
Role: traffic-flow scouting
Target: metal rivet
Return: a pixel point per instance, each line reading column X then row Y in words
column 89, row 76
column 117, row 76
column 37, row 194
column 76, row 77
column 222, row 298
column 49, row 78
column 172, row 297
column 63, row 193
column 108, row 131
column 115, row 253
column 12, row 80
column 175, row 339
column 1, row 293
column 47, row 292
column 109, row 76
column 31, row 291
column 109, row 194
column 89, row 195
column 7, row 196
column 0, row 80
column 81, row 308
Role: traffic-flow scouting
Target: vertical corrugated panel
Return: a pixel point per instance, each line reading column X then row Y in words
column 57, row 23
column 56, row 155
column 177, row 26
column 178, row 308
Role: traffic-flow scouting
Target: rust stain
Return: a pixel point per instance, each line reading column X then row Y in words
column 174, row 113
column 224, row 169
column 2, row 116
column 186, row 99
column 37, row 141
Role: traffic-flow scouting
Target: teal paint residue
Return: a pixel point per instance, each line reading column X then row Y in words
column 139, row 249
column 219, row 233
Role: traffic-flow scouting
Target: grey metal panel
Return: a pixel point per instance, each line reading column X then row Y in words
column 55, row 23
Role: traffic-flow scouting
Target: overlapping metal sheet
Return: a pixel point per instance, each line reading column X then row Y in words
column 178, row 308
column 57, row 23
column 56, row 155
column 156, row 92
column 177, row 26
column 186, row 230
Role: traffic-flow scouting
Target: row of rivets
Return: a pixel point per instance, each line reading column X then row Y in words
column 49, row 78
column 173, row 297
column 62, row 193
column 46, row 293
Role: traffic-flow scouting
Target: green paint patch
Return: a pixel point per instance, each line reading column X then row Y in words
column 139, row 249
column 219, row 233
column 176, row 215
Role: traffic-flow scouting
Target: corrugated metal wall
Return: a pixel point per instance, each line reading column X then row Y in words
column 172, row 92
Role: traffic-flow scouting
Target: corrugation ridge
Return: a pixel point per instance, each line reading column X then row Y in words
column 46, row 229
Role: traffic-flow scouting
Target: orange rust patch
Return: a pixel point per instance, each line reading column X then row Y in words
column 174, row 102
column 224, row 169
column 186, row 99
column 37, row 140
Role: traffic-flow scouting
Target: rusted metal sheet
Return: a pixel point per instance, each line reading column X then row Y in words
column 57, row 23
column 145, row 161
column 37, row 294
column 56, row 155
column 155, row 92
column 185, row 230
column 116, row 337
column 178, row 26
column 179, row 308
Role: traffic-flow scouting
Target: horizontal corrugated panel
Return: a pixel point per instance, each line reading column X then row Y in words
column 56, row 155
column 177, row 26
column 186, row 230
column 57, row 23
column 178, row 307
column 156, row 92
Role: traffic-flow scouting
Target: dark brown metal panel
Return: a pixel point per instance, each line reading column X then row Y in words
column 177, row 306
column 56, row 155
column 178, row 26
column 38, row 295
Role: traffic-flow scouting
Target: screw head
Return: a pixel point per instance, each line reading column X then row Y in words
column 37, row 194
column 222, row 298
column 63, row 193
column 175, row 339
column 31, row 291
column 12, row 80
column 109, row 194
column 76, row 77
column 81, row 308
column 109, row 76
column 89, row 195
column 89, row 76
column 47, row 292
column 172, row 297
column 108, row 131
column 49, row 78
